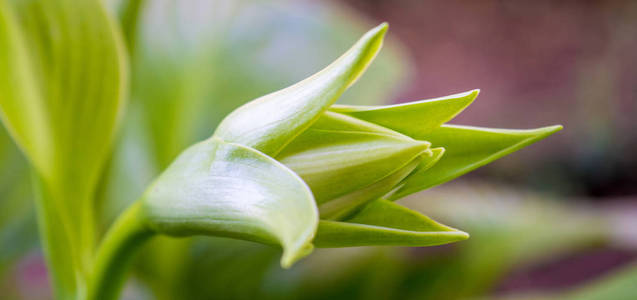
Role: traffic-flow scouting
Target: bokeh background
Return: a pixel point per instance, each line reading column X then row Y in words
column 555, row 221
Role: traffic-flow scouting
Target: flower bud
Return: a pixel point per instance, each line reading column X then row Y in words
column 291, row 168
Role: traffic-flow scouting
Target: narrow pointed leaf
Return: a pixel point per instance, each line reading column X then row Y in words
column 272, row 121
column 385, row 223
column 468, row 148
column 335, row 162
column 414, row 119
column 224, row 189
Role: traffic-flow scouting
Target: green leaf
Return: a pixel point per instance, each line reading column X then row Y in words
column 67, row 97
column 468, row 148
column 225, row 189
column 414, row 119
column 385, row 223
column 269, row 123
column 64, row 74
column 340, row 154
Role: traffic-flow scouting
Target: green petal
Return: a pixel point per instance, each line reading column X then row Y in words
column 468, row 148
column 340, row 154
column 413, row 182
column 344, row 206
column 224, row 189
column 269, row 123
column 385, row 223
column 414, row 119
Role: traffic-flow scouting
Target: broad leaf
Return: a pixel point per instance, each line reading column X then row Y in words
column 63, row 90
column 269, row 123
column 224, row 189
column 414, row 119
column 63, row 79
column 340, row 154
column 385, row 223
column 468, row 148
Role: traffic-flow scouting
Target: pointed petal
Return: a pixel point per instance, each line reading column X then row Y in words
column 271, row 122
column 468, row 148
column 413, row 182
column 385, row 223
column 347, row 205
column 414, row 119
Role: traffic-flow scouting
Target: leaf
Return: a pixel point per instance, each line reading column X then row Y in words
column 269, row 123
column 224, row 189
column 468, row 148
column 63, row 81
column 385, row 223
column 340, row 154
column 67, row 97
column 414, row 119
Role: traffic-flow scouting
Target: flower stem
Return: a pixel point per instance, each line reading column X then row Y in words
column 126, row 236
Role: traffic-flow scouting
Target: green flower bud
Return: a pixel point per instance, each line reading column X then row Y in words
column 291, row 168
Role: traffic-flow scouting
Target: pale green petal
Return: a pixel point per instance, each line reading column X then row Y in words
column 468, row 148
column 224, row 189
column 412, row 183
column 385, row 223
column 414, row 119
column 344, row 206
column 340, row 154
column 271, row 122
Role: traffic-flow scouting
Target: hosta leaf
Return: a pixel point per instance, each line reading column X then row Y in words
column 224, row 189
column 385, row 223
column 269, row 123
column 414, row 119
column 468, row 148
column 340, row 154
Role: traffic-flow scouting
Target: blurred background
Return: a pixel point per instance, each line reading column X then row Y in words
column 555, row 221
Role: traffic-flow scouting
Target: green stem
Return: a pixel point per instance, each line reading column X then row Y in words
column 126, row 236
column 60, row 245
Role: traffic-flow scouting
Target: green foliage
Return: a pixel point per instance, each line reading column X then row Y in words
column 289, row 169
column 348, row 156
column 64, row 75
